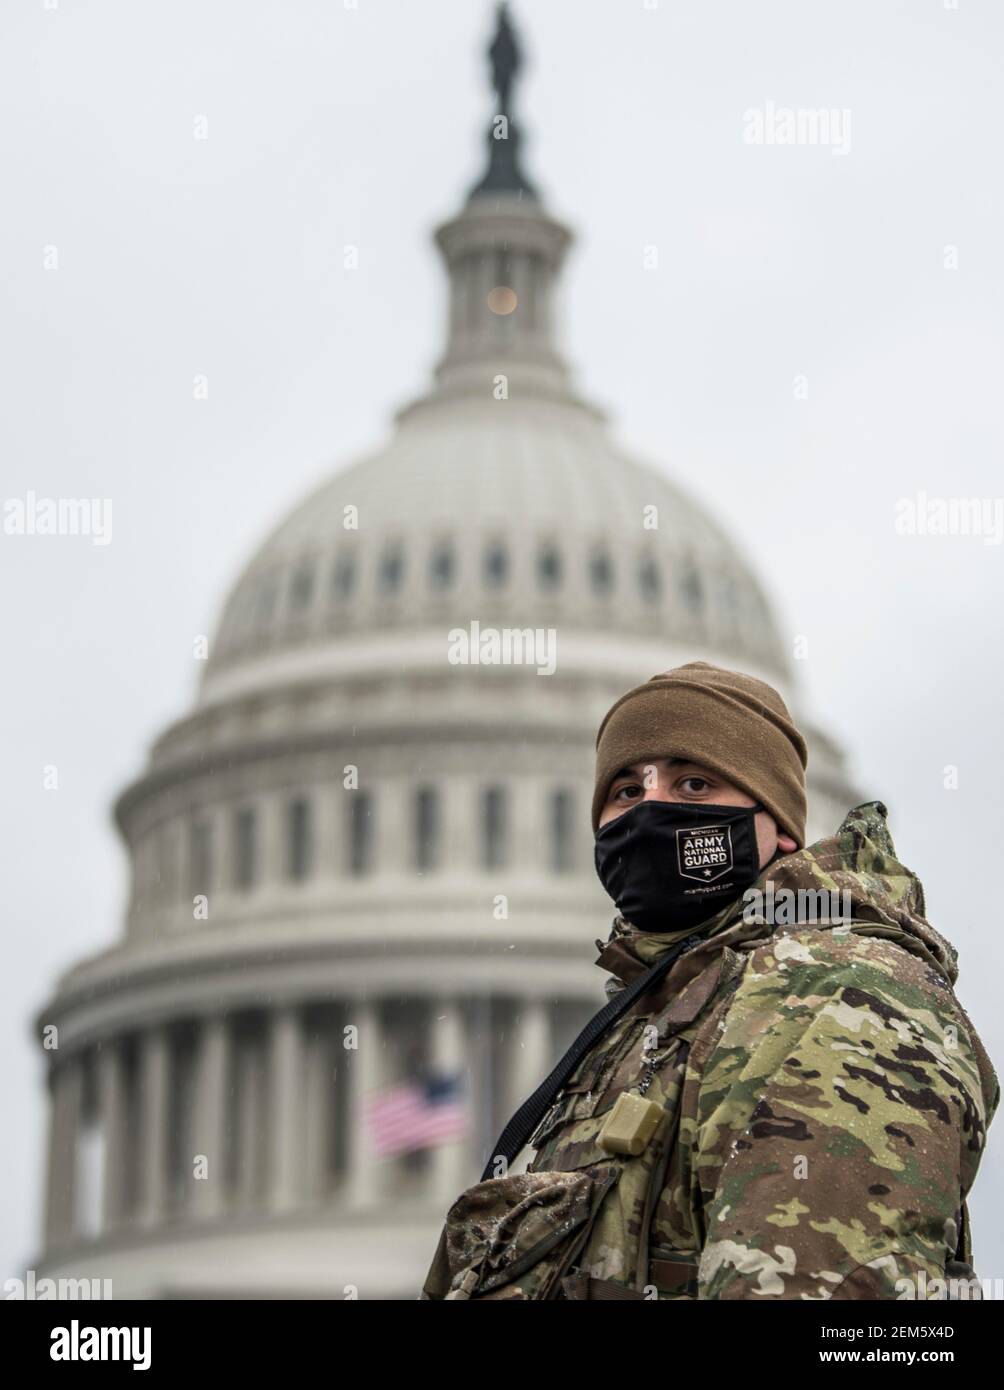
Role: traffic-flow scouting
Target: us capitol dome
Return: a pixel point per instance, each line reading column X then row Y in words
column 357, row 863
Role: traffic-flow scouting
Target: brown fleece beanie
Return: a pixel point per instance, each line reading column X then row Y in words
column 729, row 722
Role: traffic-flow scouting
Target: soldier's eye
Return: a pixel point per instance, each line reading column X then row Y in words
column 629, row 787
column 701, row 781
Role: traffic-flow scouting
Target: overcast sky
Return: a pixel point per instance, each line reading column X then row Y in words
column 821, row 338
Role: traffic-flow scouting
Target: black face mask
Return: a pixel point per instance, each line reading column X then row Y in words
column 669, row 865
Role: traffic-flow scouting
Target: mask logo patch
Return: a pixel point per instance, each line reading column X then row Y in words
column 705, row 853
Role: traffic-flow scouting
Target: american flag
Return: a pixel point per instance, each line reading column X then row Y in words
column 416, row 1114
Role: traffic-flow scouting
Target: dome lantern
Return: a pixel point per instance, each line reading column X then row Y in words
column 503, row 254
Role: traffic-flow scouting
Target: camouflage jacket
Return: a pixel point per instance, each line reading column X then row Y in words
column 823, row 1106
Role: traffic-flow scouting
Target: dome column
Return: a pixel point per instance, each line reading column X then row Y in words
column 394, row 838
column 446, row 1054
column 480, row 1076
column 327, row 829
column 250, row 1086
column 209, row 1114
column 66, row 1091
column 458, row 823
column 528, row 826
column 215, row 887
column 111, row 1101
column 284, row 1107
column 272, row 845
column 318, row 1099
column 365, row 1070
column 530, row 1054
column 152, row 1141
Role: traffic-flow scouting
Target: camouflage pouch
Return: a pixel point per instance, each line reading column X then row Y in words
column 961, row 1279
column 515, row 1237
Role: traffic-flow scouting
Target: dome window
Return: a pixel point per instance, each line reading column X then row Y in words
column 649, row 578
column 561, row 822
column 200, row 858
column 265, row 605
column 245, row 848
column 442, row 566
column 301, row 589
column 343, row 577
column 601, row 573
column 549, row 566
column 496, row 565
column 691, row 588
column 493, row 828
column 391, row 569
column 299, row 839
column 729, row 599
column 360, row 832
column 426, row 826
column 166, row 863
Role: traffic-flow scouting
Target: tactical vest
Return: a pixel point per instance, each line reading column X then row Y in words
column 577, row 1223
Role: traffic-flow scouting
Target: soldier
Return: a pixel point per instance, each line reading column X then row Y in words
column 774, row 1104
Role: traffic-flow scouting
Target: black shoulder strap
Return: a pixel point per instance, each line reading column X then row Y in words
column 960, row 1250
column 529, row 1115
